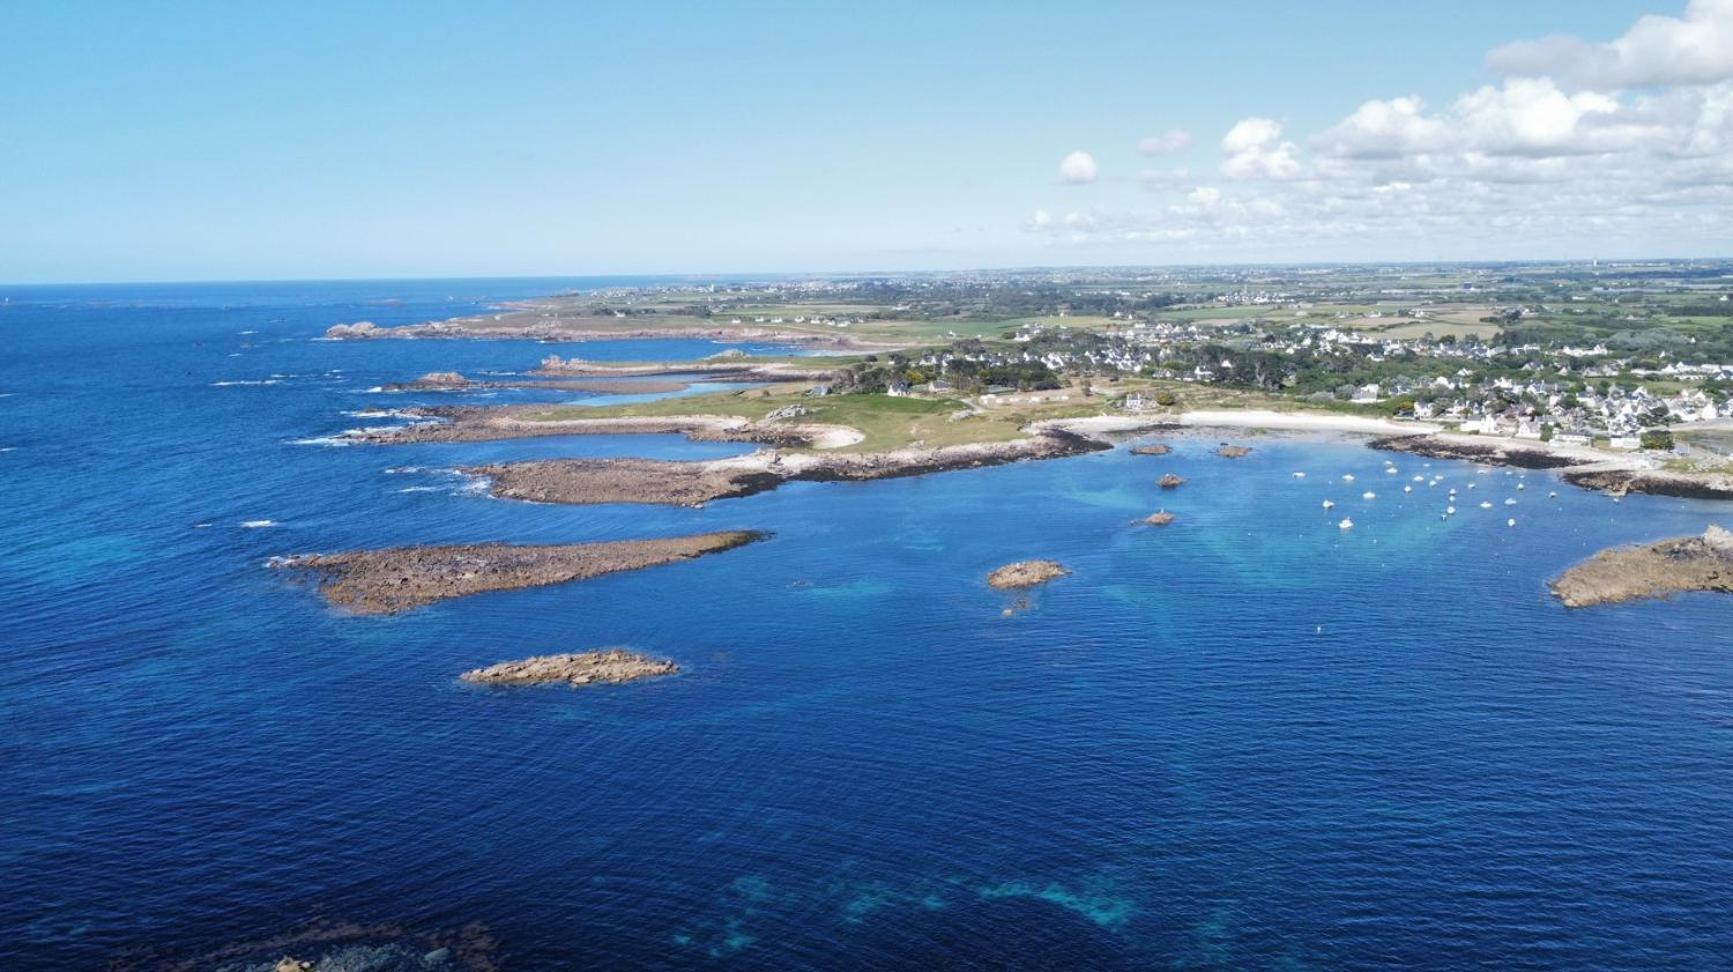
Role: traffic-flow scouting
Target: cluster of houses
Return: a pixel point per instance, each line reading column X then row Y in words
column 815, row 319
column 1538, row 402
column 1618, row 413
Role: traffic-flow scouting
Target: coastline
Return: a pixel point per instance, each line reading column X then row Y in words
column 727, row 369
column 529, row 321
column 498, row 422
column 693, row 483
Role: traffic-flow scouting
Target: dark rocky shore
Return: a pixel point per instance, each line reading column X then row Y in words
column 1653, row 570
column 1586, row 473
column 1497, row 454
column 401, row 579
column 1619, row 482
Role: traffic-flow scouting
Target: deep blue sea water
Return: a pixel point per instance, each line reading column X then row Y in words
column 1248, row 740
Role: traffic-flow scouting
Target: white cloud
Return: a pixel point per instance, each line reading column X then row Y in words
column 1535, row 161
column 1531, row 116
column 1384, row 130
column 1077, row 168
column 1695, row 49
column 1255, row 150
column 1167, row 143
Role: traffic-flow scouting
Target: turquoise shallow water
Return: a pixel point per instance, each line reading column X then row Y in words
column 1248, row 740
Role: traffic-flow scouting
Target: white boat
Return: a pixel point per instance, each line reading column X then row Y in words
column 1329, row 504
column 1368, row 495
column 1510, row 502
column 1299, row 475
column 1346, row 524
column 1347, row 477
column 1450, row 511
column 1521, row 486
column 1486, row 504
column 1407, row 489
column 1510, row 522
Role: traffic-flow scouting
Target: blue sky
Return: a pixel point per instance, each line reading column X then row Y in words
column 176, row 141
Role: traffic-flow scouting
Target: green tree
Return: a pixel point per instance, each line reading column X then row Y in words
column 1657, row 439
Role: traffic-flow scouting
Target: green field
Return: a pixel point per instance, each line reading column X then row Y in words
column 886, row 422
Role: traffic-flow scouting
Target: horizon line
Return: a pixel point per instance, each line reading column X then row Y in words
column 831, row 274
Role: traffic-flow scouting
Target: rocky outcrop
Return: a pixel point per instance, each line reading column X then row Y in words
column 1492, row 453
column 1171, row 481
column 1703, row 563
column 611, row 666
column 585, row 481
column 1159, row 518
column 1026, row 573
column 1233, row 451
column 359, row 329
column 395, row 580
column 434, row 381
column 1157, row 449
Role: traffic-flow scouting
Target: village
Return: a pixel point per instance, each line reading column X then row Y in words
column 1571, row 394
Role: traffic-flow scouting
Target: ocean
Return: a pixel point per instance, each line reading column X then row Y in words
column 1247, row 740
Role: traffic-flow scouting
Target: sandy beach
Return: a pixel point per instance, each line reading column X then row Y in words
column 1250, row 419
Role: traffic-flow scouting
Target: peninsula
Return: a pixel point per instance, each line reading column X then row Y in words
column 392, row 581
column 1684, row 564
